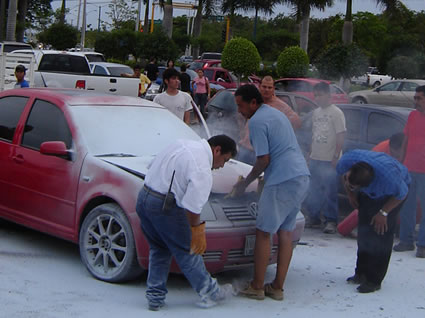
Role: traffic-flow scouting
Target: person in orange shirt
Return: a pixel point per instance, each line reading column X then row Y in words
column 267, row 90
column 392, row 146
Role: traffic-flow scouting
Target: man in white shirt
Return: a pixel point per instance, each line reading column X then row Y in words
column 171, row 223
column 326, row 147
column 176, row 101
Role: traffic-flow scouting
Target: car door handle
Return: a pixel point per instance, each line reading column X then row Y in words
column 18, row 159
column 112, row 89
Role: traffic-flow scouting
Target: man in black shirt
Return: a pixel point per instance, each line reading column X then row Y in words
column 184, row 80
column 152, row 70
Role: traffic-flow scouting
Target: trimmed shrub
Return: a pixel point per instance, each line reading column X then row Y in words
column 292, row 62
column 403, row 67
column 241, row 57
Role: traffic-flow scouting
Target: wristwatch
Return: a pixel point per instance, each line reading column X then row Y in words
column 383, row 212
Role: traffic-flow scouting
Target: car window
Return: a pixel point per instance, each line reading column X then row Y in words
column 99, row 70
column 393, row 86
column 381, row 127
column 209, row 74
column 224, row 100
column 64, row 63
column 294, row 86
column 118, row 70
column 408, row 86
column 11, row 108
column 46, row 122
column 353, row 123
column 286, row 99
column 95, row 57
column 304, row 105
column 335, row 90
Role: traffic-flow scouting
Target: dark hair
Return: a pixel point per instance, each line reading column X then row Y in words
column 322, row 87
column 170, row 60
column 396, row 140
column 153, row 59
column 183, row 68
column 361, row 174
column 169, row 73
column 227, row 144
column 420, row 89
column 137, row 67
column 248, row 93
column 20, row 68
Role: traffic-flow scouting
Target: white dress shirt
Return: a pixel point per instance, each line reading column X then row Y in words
column 192, row 161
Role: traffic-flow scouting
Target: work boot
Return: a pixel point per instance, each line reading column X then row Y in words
column 420, row 252
column 402, row 247
column 252, row 293
column 368, row 287
column 330, row 228
column 311, row 223
column 276, row 294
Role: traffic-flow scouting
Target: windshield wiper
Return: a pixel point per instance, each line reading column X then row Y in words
column 120, row 154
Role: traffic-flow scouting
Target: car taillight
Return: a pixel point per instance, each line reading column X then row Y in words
column 80, row 84
column 140, row 87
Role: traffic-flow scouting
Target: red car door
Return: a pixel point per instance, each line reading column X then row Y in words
column 45, row 186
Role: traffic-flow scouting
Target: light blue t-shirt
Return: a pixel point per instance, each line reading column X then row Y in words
column 271, row 133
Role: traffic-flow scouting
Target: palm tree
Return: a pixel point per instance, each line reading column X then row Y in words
column 146, row 24
column 167, row 21
column 11, row 20
column 302, row 11
column 205, row 7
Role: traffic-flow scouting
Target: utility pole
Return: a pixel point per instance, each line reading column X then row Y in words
column 139, row 8
column 98, row 20
column 83, row 27
column 78, row 16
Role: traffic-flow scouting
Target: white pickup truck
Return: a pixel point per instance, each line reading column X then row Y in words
column 72, row 70
column 8, row 62
column 372, row 78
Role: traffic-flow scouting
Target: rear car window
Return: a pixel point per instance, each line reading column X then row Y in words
column 64, row 63
column 353, row 120
column 381, row 127
column 11, row 108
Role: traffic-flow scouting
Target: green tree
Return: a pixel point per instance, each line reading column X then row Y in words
column 120, row 12
column 59, row 36
column 403, row 67
column 241, row 57
column 292, row 62
column 342, row 60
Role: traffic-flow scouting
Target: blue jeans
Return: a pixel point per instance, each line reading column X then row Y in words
column 408, row 212
column 168, row 234
column 323, row 192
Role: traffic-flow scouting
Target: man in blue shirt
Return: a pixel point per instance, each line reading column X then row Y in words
column 377, row 185
column 286, row 184
column 20, row 71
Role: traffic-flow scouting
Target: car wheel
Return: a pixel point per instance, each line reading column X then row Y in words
column 376, row 84
column 359, row 100
column 107, row 246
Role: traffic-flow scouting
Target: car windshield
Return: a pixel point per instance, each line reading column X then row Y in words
column 129, row 130
column 95, row 57
column 118, row 70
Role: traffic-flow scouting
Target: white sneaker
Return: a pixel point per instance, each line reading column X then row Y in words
column 224, row 293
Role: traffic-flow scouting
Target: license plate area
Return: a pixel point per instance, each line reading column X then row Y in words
column 249, row 245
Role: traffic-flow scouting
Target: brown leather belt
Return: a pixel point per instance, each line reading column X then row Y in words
column 153, row 192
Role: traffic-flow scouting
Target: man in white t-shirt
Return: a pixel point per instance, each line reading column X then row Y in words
column 177, row 102
column 171, row 222
column 328, row 138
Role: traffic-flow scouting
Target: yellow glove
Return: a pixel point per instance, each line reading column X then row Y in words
column 198, row 245
column 234, row 193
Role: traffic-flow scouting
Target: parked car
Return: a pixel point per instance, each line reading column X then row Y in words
column 210, row 56
column 186, row 59
column 111, row 69
column 394, row 93
column 221, row 76
column 72, row 163
column 9, row 46
column 304, row 86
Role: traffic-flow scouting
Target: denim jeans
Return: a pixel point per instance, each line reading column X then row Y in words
column 201, row 100
column 168, row 234
column 408, row 212
column 323, row 192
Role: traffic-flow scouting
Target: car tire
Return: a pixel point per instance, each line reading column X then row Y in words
column 107, row 246
column 359, row 100
column 376, row 84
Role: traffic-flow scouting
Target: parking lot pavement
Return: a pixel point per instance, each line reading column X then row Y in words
column 43, row 277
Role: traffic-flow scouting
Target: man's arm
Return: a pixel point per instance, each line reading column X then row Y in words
column 339, row 143
column 404, row 148
column 186, row 117
column 379, row 220
column 260, row 165
column 193, row 218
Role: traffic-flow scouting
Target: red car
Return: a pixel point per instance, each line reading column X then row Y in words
column 72, row 163
column 304, row 86
column 221, row 76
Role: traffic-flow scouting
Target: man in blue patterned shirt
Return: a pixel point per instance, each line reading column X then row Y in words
column 377, row 185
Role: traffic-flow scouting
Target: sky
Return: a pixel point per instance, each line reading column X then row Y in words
column 337, row 8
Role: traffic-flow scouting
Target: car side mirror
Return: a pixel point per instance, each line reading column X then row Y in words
column 55, row 148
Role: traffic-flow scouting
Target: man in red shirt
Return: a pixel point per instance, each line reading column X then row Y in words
column 414, row 160
column 392, row 146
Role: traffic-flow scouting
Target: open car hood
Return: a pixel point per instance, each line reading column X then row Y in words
column 223, row 179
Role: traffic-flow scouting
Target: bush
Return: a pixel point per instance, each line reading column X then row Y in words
column 342, row 61
column 60, row 36
column 292, row 62
column 241, row 57
column 403, row 67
